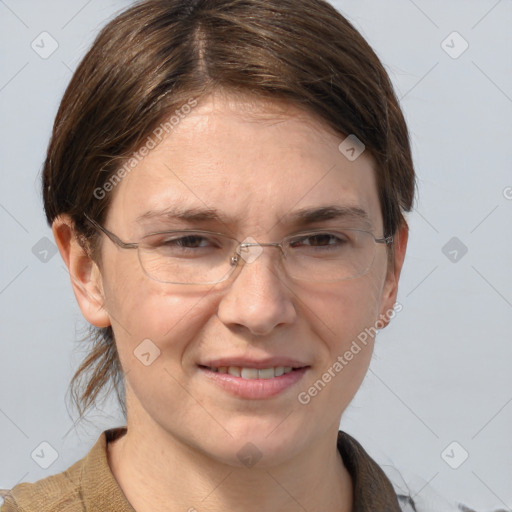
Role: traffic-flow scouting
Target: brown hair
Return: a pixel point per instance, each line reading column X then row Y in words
column 153, row 58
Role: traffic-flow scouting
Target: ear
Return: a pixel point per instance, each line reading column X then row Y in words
column 84, row 272
column 390, row 289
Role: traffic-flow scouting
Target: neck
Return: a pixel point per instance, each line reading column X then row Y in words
column 157, row 471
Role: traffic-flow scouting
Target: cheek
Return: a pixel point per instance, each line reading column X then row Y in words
column 143, row 309
column 159, row 328
column 342, row 310
column 343, row 318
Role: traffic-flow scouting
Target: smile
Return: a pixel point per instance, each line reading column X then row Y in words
column 254, row 383
column 253, row 373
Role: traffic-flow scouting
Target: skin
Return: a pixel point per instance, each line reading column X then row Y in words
column 255, row 162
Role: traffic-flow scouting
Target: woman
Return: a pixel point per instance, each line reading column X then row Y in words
column 226, row 182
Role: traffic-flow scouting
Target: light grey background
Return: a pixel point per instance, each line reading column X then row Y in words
column 441, row 370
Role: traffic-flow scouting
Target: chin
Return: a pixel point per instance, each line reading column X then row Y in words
column 265, row 442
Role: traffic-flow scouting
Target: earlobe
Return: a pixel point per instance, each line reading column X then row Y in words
column 84, row 272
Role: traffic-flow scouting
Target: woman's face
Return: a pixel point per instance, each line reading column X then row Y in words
column 255, row 172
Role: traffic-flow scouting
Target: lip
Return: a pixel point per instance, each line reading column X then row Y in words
column 255, row 389
column 259, row 364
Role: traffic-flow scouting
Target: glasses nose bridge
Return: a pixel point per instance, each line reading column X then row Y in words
column 246, row 245
column 243, row 250
column 261, row 244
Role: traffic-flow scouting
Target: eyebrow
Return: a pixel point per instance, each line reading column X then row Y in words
column 186, row 214
column 308, row 216
column 303, row 217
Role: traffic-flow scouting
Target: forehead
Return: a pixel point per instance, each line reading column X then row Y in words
column 250, row 161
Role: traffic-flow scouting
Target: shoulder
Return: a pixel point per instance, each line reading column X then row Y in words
column 71, row 490
column 56, row 493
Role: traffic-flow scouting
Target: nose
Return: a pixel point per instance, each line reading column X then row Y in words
column 258, row 298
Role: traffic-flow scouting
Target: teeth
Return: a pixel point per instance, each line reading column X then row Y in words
column 249, row 373
column 254, row 373
column 266, row 373
column 234, row 370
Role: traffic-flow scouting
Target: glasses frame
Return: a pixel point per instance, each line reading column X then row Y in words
column 235, row 259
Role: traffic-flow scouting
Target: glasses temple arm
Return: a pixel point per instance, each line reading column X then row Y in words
column 112, row 236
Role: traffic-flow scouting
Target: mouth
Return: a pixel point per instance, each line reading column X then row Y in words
column 250, row 373
column 254, row 381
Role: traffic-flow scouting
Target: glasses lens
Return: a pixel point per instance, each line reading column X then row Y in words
column 330, row 255
column 187, row 257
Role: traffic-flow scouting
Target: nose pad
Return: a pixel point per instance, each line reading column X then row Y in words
column 250, row 250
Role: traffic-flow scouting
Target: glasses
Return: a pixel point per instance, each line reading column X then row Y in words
column 207, row 257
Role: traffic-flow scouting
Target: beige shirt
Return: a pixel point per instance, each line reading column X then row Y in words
column 89, row 485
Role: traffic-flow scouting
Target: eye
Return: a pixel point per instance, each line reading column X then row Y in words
column 189, row 241
column 183, row 243
column 319, row 240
